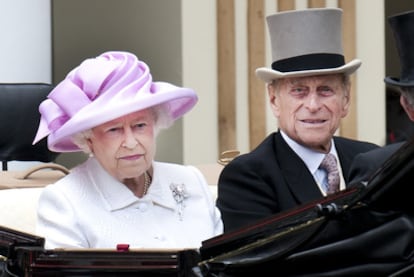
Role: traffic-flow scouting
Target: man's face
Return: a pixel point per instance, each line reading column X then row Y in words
column 309, row 109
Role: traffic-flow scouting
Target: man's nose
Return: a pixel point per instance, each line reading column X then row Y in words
column 313, row 102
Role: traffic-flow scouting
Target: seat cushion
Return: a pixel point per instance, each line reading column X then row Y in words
column 18, row 208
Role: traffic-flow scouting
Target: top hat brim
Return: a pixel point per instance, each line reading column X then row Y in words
column 397, row 82
column 268, row 74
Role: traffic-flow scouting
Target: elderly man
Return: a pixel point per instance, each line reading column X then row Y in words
column 309, row 92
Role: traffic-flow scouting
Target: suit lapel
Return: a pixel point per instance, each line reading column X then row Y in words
column 297, row 176
column 345, row 158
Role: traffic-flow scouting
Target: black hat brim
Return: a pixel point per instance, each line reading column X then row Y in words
column 397, row 82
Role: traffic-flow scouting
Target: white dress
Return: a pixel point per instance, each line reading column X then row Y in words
column 90, row 209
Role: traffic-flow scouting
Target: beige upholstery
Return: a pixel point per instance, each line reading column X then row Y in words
column 212, row 171
column 20, row 191
column 18, row 208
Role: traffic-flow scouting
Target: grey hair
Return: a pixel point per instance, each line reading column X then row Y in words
column 162, row 119
column 408, row 93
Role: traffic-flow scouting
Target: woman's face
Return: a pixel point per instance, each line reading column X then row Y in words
column 125, row 147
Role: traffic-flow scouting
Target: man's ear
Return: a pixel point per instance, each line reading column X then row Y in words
column 347, row 103
column 274, row 103
column 409, row 109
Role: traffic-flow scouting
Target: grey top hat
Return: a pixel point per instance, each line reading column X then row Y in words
column 306, row 42
column 402, row 26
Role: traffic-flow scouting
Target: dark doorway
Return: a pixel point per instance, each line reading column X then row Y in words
column 399, row 126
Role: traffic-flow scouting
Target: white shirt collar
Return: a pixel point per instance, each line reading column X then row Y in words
column 118, row 196
column 311, row 158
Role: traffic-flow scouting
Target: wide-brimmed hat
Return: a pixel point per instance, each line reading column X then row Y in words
column 402, row 26
column 306, row 42
column 101, row 89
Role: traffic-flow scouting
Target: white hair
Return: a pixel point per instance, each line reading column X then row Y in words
column 162, row 120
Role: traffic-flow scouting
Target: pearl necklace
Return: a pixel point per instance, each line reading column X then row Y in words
column 147, row 182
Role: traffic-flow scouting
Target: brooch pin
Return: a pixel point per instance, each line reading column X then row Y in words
column 179, row 194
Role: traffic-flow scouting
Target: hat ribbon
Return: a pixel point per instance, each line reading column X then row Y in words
column 309, row 62
column 54, row 111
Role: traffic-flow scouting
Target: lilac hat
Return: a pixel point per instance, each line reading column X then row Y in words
column 101, row 89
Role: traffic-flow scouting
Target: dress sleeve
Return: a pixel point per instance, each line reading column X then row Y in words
column 214, row 212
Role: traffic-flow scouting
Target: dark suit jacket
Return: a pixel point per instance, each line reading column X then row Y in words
column 273, row 178
column 365, row 164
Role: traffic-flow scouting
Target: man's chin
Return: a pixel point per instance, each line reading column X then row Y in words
column 317, row 143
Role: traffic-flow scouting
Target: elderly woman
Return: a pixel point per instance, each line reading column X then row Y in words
column 110, row 108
